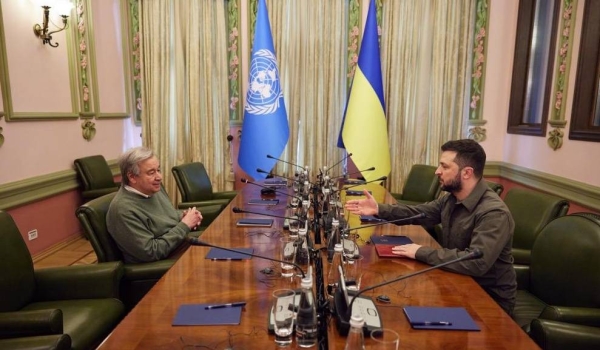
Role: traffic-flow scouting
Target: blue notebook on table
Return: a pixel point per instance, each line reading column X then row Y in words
column 221, row 254
column 198, row 315
column 440, row 318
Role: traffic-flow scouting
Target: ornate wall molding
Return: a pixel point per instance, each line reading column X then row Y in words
column 135, row 58
column 561, row 73
column 354, row 31
column 83, row 58
column 476, row 122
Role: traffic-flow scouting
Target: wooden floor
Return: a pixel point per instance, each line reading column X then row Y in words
column 77, row 251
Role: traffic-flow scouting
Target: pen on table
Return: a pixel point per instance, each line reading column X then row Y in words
column 220, row 306
column 225, row 259
column 430, row 323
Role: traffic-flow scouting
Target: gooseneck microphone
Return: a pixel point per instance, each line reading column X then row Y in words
column 354, row 173
column 283, row 161
column 195, row 241
column 270, row 188
column 474, row 254
column 341, row 160
column 383, row 178
column 414, row 217
column 239, row 210
column 259, row 170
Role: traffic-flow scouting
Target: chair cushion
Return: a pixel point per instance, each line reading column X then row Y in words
column 94, row 172
column 552, row 335
column 45, row 342
column 92, row 216
column 193, row 182
column 86, row 321
column 527, row 307
column 421, row 185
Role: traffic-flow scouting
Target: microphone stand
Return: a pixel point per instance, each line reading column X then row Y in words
column 281, row 160
column 341, row 160
column 267, row 187
column 195, row 241
column 414, row 217
column 383, row 178
column 259, row 170
column 356, row 172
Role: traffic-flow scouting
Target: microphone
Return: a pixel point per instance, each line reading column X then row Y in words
column 259, row 170
column 341, row 160
column 344, row 309
column 195, row 241
column 239, row 210
column 281, row 160
column 356, row 172
column 414, row 217
column 383, row 178
column 270, row 188
column 474, row 254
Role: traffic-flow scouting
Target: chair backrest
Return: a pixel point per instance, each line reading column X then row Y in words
column 421, row 185
column 565, row 260
column 92, row 216
column 193, row 182
column 531, row 211
column 94, row 173
column 17, row 281
column 496, row 187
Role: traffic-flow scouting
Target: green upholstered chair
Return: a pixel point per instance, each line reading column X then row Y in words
column 531, row 211
column 196, row 191
column 421, row 185
column 139, row 278
column 562, row 282
column 95, row 177
column 80, row 301
column 496, row 187
column 40, row 342
column 553, row 335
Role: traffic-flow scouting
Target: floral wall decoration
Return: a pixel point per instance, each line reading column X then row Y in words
column 88, row 130
column 476, row 130
column 561, row 75
column 135, row 56
column 82, row 54
column 354, row 23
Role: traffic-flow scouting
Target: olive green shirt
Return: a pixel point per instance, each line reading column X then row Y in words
column 482, row 221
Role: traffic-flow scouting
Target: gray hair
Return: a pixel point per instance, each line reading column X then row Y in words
column 128, row 162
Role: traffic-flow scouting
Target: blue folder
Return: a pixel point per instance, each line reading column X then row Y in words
column 221, row 254
column 198, row 315
column 422, row 317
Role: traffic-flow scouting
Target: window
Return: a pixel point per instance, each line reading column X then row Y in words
column 533, row 64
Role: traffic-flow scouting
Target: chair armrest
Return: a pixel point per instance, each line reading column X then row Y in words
column 49, row 342
column 225, row 195
column 552, row 335
column 522, row 272
column 579, row 315
column 79, row 282
column 30, row 323
column 147, row 271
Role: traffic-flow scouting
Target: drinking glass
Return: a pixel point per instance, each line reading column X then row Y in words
column 384, row 339
column 287, row 250
column 283, row 315
column 354, row 272
column 294, row 225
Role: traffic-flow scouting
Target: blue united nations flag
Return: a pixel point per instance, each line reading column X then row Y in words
column 265, row 129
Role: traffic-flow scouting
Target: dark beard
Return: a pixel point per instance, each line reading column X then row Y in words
column 454, row 186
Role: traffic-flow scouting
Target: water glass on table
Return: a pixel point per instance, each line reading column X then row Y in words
column 287, row 254
column 354, row 272
column 282, row 314
column 294, row 225
column 384, row 339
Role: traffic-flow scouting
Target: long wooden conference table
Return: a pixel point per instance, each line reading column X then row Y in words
column 195, row 280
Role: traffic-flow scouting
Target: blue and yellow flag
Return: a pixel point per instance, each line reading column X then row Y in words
column 364, row 128
column 265, row 130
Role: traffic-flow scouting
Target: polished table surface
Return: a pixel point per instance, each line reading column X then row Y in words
column 194, row 279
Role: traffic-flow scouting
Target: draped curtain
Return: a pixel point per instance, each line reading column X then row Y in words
column 310, row 43
column 425, row 49
column 184, row 86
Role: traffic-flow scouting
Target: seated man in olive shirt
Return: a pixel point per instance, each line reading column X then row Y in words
column 141, row 218
column 472, row 216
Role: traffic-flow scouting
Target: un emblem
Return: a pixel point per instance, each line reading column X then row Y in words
column 264, row 91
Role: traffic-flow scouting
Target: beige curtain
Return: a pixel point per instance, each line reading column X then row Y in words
column 185, row 116
column 309, row 39
column 425, row 60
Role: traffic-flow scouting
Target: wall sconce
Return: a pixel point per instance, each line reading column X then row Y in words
column 62, row 7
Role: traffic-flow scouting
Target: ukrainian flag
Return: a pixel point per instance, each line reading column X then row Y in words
column 364, row 127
